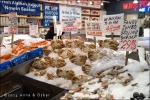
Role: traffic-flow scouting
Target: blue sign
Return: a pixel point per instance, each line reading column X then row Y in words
column 50, row 10
column 144, row 9
column 5, row 65
column 23, row 7
column 35, row 53
column 20, row 59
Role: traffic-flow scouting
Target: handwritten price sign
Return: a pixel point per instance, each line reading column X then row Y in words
column 13, row 22
column 113, row 28
column 112, row 23
column 93, row 28
column 70, row 17
column 128, row 45
column 129, row 35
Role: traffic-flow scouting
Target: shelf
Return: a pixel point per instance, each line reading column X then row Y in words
column 91, row 15
column 86, row 14
column 68, row 3
column 21, row 16
column 19, row 26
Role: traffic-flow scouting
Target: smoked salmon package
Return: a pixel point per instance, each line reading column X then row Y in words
column 5, row 65
column 34, row 53
column 19, row 59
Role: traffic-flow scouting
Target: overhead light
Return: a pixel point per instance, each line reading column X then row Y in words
column 91, row 2
column 102, row 3
column 78, row 1
column 135, row 1
column 148, row 4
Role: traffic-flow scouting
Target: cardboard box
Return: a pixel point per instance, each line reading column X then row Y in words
column 83, row 25
column 86, row 11
column 95, row 18
column 85, row 18
column 95, row 12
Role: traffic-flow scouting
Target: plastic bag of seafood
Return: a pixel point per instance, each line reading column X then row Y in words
column 57, row 44
column 65, row 73
column 65, row 52
column 73, row 43
column 41, row 63
column 94, row 55
column 109, row 43
column 35, row 53
column 104, row 64
column 57, row 62
column 78, row 59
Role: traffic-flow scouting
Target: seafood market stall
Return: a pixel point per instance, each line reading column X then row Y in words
column 79, row 71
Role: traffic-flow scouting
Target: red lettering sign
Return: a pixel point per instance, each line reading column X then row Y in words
column 128, row 44
column 131, row 5
column 112, row 28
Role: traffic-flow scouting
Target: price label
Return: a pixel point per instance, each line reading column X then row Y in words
column 112, row 23
column 129, row 35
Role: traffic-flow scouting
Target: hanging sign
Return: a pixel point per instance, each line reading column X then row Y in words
column 13, row 22
column 33, row 29
column 144, row 9
column 50, row 10
column 70, row 17
column 24, row 7
column 112, row 23
column 129, row 35
column 93, row 28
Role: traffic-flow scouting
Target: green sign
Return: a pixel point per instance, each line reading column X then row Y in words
column 141, row 15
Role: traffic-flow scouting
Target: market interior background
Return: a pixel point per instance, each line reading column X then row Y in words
column 22, row 78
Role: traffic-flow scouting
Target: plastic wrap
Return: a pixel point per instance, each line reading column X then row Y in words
column 104, row 64
column 111, row 53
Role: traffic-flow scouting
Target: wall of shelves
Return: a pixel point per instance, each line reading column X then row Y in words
column 89, row 13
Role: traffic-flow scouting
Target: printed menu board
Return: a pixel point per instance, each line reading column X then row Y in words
column 93, row 28
column 112, row 23
column 129, row 35
column 70, row 17
column 50, row 10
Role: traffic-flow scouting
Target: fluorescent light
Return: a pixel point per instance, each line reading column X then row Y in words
column 135, row 1
column 78, row 1
column 91, row 3
column 102, row 3
column 148, row 4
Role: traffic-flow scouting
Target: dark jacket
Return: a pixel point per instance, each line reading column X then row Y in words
column 50, row 34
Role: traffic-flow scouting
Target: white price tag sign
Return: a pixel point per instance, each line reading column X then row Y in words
column 112, row 23
column 129, row 35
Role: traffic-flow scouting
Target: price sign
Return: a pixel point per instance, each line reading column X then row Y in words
column 33, row 29
column 93, row 28
column 13, row 22
column 129, row 35
column 70, row 16
column 112, row 23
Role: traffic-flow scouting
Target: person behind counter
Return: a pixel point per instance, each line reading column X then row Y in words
column 50, row 34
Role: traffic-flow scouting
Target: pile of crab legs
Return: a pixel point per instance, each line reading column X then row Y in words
column 20, row 48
